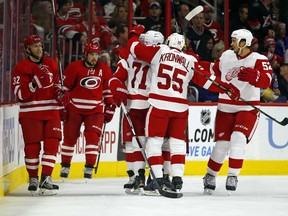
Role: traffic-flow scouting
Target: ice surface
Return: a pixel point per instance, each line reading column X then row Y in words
column 255, row 195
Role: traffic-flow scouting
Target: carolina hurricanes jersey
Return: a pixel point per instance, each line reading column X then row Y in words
column 136, row 75
column 229, row 66
column 40, row 104
column 171, row 72
column 64, row 22
column 88, row 86
column 216, row 30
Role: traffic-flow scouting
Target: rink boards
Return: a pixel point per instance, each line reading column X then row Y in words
column 266, row 154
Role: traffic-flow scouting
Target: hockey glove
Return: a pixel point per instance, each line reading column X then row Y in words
column 109, row 112
column 232, row 91
column 136, row 30
column 63, row 97
column 249, row 75
column 119, row 91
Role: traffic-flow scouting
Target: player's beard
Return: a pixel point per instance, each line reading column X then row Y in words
column 91, row 63
column 37, row 55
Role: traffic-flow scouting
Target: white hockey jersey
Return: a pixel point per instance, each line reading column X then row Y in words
column 172, row 71
column 228, row 67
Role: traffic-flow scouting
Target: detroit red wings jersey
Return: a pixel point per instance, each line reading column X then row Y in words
column 137, row 79
column 88, row 86
column 40, row 104
column 171, row 72
column 229, row 66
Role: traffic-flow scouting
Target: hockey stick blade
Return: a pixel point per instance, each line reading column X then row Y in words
column 170, row 194
column 284, row 122
column 194, row 12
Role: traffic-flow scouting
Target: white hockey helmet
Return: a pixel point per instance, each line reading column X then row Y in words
column 175, row 40
column 243, row 34
column 153, row 38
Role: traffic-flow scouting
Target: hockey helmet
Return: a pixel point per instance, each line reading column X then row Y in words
column 243, row 34
column 153, row 38
column 90, row 47
column 175, row 40
column 31, row 39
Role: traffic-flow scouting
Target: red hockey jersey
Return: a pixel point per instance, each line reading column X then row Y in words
column 40, row 104
column 88, row 86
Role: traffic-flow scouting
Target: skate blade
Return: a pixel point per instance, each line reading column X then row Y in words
column 208, row 191
column 138, row 191
column 151, row 193
column 46, row 192
column 33, row 193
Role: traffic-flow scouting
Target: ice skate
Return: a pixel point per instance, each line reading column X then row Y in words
column 129, row 186
column 152, row 189
column 88, row 172
column 33, row 185
column 176, row 184
column 231, row 184
column 166, row 182
column 209, row 182
column 64, row 172
column 138, row 184
column 47, row 188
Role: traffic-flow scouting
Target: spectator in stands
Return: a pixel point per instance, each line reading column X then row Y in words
column 120, row 14
column 205, row 48
column 154, row 21
column 241, row 21
column 42, row 20
column 212, row 25
column 122, row 35
column 260, row 20
column 196, row 32
column 255, row 44
column 110, row 6
column 281, row 39
column 283, row 80
column 182, row 10
column 63, row 17
column 217, row 51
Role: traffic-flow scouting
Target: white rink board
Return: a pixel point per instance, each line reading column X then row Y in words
column 270, row 141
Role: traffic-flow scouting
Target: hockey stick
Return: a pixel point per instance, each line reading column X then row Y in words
column 190, row 15
column 100, row 148
column 164, row 193
column 284, row 122
column 57, row 46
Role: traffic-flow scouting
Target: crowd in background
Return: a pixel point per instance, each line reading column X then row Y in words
column 204, row 33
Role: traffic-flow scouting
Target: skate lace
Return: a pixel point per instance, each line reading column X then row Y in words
column 47, row 183
column 65, row 170
column 231, row 181
column 33, row 182
column 209, row 179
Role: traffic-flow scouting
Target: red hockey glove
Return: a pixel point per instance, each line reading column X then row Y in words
column 119, row 91
column 249, row 75
column 232, row 91
column 109, row 112
column 63, row 97
column 43, row 80
column 136, row 30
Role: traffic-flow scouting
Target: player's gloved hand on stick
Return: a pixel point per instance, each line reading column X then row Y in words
column 63, row 96
column 119, row 91
column 232, row 91
column 109, row 112
column 249, row 75
column 136, row 30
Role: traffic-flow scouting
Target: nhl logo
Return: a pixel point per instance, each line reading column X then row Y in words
column 205, row 117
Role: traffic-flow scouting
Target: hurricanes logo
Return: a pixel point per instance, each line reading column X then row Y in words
column 205, row 117
column 91, row 82
column 233, row 72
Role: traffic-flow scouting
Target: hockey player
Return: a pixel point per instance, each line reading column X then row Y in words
column 167, row 116
column 87, row 83
column 236, row 122
column 35, row 82
column 136, row 77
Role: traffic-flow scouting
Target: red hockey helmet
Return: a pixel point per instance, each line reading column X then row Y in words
column 90, row 47
column 31, row 39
